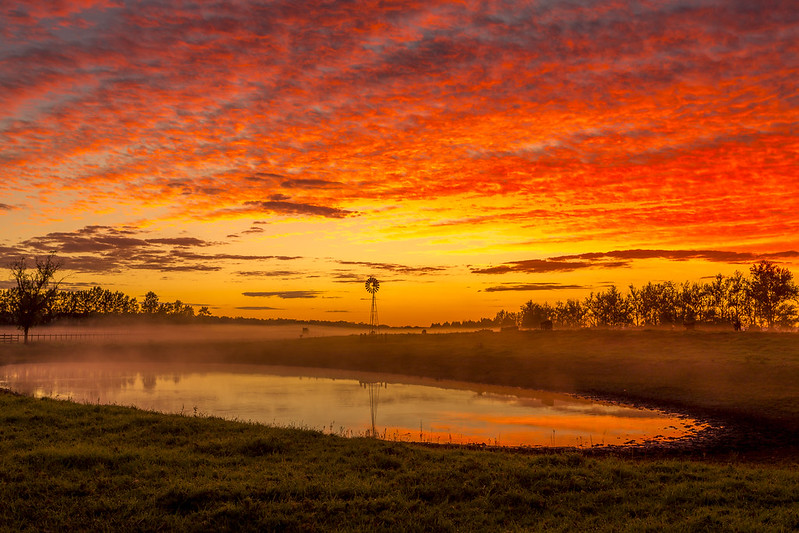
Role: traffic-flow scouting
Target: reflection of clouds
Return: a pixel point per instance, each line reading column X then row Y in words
column 278, row 395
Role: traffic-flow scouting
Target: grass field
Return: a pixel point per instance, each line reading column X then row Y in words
column 68, row 466
column 65, row 466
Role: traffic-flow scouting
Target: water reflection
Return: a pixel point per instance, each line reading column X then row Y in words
column 337, row 402
column 374, row 397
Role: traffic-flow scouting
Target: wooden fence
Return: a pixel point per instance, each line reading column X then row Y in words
column 19, row 337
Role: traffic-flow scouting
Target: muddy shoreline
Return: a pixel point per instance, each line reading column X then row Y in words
column 726, row 438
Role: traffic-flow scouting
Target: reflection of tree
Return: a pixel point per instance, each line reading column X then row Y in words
column 374, row 397
column 89, row 382
column 62, row 378
column 148, row 381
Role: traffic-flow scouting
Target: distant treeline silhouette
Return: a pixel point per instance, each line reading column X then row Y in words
column 100, row 303
column 767, row 297
column 96, row 302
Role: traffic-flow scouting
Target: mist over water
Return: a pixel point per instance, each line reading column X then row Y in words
column 351, row 403
column 139, row 332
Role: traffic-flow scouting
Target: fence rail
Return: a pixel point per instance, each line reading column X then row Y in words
column 6, row 338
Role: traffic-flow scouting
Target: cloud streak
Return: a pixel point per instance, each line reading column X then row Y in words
column 624, row 259
column 521, row 287
column 394, row 268
column 294, row 208
column 284, row 295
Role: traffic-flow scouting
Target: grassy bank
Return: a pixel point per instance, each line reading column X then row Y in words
column 66, row 466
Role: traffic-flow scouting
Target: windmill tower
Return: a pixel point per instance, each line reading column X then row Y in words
column 372, row 286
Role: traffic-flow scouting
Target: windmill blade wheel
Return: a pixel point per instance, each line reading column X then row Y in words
column 372, row 285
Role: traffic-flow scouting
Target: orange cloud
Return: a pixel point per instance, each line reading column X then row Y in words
column 619, row 125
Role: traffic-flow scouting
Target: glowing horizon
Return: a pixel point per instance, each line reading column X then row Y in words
column 264, row 159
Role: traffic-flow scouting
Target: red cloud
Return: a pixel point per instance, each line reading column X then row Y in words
column 661, row 121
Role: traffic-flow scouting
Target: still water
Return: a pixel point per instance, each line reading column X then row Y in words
column 353, row 404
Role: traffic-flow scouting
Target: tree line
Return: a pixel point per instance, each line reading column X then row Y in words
column 97, row 302
column 36, row 298
column 767, row 297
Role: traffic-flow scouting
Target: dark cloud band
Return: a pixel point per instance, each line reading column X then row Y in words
column 624, row 258
column 284, row 295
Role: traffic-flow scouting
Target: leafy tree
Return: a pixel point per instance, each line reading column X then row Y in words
column 737, row 295
column 570, row 314
column 691, row 303
column 609, row 308
column 5, row 307
column 532, row 314
column 771, row 288
column 150, row 305
column 505, row 319
column 31, row 302
column 653, row 304
column 181, row 310
column 718, row 303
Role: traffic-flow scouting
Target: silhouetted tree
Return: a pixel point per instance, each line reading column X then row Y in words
column 718, row 303
column 771, row 288
column 150, row 305
column 739, row 301
column 570, row 314
column 532, row 314
column 182, row 311
column 609, row 308
column 654, row 304
column 691, row 303
column 505, row 319
column 31, row 301
column 5, row 307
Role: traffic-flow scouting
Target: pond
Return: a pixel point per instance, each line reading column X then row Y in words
column 353, row 404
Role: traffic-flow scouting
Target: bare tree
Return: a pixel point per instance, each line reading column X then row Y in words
column 31, row 301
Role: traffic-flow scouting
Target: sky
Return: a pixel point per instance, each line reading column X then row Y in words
column 264, row 158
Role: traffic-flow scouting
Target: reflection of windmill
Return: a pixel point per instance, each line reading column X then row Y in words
column 372, row 286
column 374, row 396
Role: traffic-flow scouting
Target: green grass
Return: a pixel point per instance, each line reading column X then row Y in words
column 65, row 466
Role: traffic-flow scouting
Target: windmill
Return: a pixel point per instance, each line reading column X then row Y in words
column 372, row 286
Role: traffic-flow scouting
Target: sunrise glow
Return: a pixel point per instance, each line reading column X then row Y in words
column 265, row 158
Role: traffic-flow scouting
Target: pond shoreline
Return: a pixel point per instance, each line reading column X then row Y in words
column 69, row 466
column 743, row 384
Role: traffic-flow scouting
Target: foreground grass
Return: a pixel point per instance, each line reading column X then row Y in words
column 65, row 466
